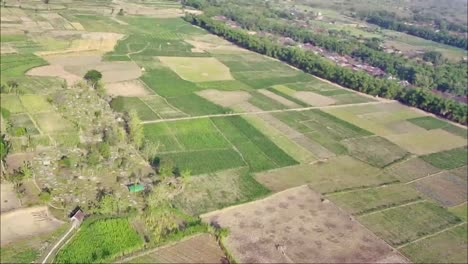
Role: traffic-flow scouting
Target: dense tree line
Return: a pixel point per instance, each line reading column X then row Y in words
column 445, row 77
column 442, row 36
column 316, row 65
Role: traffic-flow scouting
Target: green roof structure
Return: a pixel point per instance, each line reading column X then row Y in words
column 136, row 188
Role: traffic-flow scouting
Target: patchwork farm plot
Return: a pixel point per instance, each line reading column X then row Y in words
column 343, row 176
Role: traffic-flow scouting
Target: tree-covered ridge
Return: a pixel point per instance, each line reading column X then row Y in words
column 444, row 77
column 314, row 64
column 393, row 23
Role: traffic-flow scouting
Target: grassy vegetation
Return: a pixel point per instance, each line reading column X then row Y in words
column 214, row 191
column 460, row 211
column 12, row 103
column 126, row 104
column 101, row 241
column 449, row 159
column 35, row 103
column 204, row 161
column 194, row 105
column 376, row 151
column 428, row 122
column 167, row 83
column 407, row 223
column 412, row 169
column 257, row 150
column 18, row 255
column 323, row 128
column 335, row 175
column 446, row 247
column 365, row 201
column 14, row 66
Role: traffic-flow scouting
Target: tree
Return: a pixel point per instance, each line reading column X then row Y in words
column 121, row 12
column 433, row 56
column 135, row 129
column 93, row 76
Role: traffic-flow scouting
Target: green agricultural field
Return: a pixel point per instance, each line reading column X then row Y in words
column 198, row 134
column 15, row 66
column 265, row 103
column 126, row 104
column 256, row 149
column 230, row 85
column 20, row 122
column 412, row 169
column 449, row 159
column 376, row 151
column 364, row 201
column 404, row 224
column 335, row 175
column 446, row 247
column 162, row 136
column 293, row 149
column 460, row 211
column 196, row 105
column 428, row 122
column 323, row 128
column 12, row 103
column 197, row 69
column 161, row 107
column 167, row 83
column 427, row 142
column 204, row 161
column 35, row 103
column 51, row 122
column 101, row 241
column 210, row 192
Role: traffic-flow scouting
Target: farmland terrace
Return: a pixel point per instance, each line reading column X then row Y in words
column 169, row 137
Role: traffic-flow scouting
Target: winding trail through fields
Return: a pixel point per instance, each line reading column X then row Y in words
column 57, row 244
column 264, row 112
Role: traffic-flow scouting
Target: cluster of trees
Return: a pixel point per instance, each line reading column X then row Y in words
column 392, row 23
column 314, row 64
column 444, row 77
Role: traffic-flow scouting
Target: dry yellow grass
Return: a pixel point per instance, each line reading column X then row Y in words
column 198, row 69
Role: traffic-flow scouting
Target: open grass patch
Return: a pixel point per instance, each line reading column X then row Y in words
column 194, row 105
column 127, row 104
column 259, row 80
column 230, row 85
column 446, row 247
column 101, row 241
column 35, row 103
column 206, row 193
column 376, row 151
column 51, row 122
column 258, row 151
column 428, row 122
column 21, row 123
column 412, row 169
column 449, row 159
column 167, row 83
column 198, row 69
column 204, row 161
column 12, row 103
column 161, row 107
column 161, row 135
column 460, row 211
column 404, row 224
column 365, row 201
column 16, row 65
column 337, row 174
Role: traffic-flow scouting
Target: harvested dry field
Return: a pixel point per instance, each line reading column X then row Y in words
column 9, row 200
column 128, row 88
column 55, row 71
column 297, row 225
column 225, row 98
column 29, row 222
column 201, row 248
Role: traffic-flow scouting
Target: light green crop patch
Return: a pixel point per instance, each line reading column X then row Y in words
column 198, row 69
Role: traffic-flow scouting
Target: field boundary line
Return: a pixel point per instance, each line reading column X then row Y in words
column 393, row 207
column 362, row 189
column 165, row 100
column 427, row 176
column 154, row 111
column 234, row 147
column 262, row 112
column 191, row 151
column 151, row 250
column 431, row 235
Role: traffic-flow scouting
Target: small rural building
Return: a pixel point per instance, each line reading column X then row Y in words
column 134, row 188
column 77, row 218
